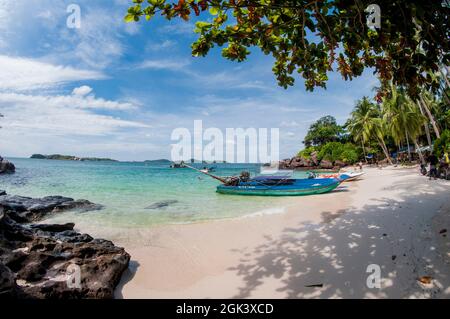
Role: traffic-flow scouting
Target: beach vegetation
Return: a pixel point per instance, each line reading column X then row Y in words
column 367, row 124
column 442, row 144
column 308, row 151
column 323, row 131
column 313, row 38
column 336, row 151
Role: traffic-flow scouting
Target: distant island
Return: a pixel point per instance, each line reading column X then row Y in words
column 70, row 158
column 158, row 161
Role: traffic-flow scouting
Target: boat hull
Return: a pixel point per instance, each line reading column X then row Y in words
column 346, row 177
column 297, row 189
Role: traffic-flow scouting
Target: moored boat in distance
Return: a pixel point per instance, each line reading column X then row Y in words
column 346, row 176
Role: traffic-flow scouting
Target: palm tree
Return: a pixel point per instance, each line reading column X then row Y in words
column 402, row 117
column 428, row 102
column 366, row 124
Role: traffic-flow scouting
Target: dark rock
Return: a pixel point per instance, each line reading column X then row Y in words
column 325, row 164
column 161, row 204
column 8, row 287
column 295, row 162
column 80, row 205
column 443, row 231
column 2, row 192
column 27, row 209
column 300, row 162
column 56, row 228
column 6, row 167
column 339, row 163
column 314, row 159
column 285, row 164
column 40, row 261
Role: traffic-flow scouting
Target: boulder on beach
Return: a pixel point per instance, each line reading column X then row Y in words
column 325, row 164
column 27, row 209
column 6, row 167
column 339, row 164
column 54, row 261
column 314, row 159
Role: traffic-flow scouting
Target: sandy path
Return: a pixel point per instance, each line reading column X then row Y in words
column 391, row 218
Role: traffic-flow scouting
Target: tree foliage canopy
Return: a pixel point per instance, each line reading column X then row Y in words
column 314, row 37
column 442, row 144
column 335, row 151
column 323, row 131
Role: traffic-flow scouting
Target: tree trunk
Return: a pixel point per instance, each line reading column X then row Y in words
column 385, row 150
column 364, row 151
column 407, row 145
column 445, row 78
column 422, row 160
column 430, row 116
column 427, row 129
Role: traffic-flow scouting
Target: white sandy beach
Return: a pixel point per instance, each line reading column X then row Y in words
column 391, row 218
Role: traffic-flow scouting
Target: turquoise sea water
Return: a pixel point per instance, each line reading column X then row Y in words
column 127, row 190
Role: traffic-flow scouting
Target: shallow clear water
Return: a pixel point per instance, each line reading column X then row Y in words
column 128, row 189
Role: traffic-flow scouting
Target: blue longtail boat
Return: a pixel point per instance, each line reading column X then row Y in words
column 279, row 186
column 273, row 185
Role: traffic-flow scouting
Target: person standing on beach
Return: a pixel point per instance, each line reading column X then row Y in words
column 433, row 160
column 360, row 165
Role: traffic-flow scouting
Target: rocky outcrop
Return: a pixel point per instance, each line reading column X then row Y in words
column 54, row 261
column 6, row 167
column 339, row 164
column 326, row 164
column 27, row 209
column 314, row 159
column 299, row 162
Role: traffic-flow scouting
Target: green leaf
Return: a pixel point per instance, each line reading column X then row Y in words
column 214, row 11
column 129, row 18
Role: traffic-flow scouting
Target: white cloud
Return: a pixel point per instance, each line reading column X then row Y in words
column 4, row 22
column 21, row 74
column 82, row 90
column 65, row 102
column 173, row 65
column 40, row 124
column 155, row 47
column 178, row 28
column 289, row 124
column 97, row 44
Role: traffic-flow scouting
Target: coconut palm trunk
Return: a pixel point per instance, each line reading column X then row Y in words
column 430, row 116
column 407, row 145
column 364, row 151
column 427, row 129
column 419, row 152
column 445, row 77
column 385, row 150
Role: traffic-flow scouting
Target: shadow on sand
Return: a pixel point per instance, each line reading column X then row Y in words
column 127, row 276
column 330, row 260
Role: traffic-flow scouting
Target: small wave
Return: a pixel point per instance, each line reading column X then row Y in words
column 264, row 212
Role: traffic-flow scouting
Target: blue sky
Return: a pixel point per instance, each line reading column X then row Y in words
column 111, row 89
